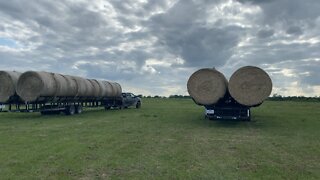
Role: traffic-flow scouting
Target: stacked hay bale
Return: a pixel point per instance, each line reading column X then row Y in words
column 207, row 86
column 248, row 86
column 8, row 85
column 32, row 85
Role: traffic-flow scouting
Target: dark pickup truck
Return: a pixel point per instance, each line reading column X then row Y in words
column 129, row 99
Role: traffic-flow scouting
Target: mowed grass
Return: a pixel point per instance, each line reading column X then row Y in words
column 165, row 139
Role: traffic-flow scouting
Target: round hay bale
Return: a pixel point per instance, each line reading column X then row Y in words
column 72, row 86
column 250, row 86
column 102, row 87
column 32, row 85
column 81, row 85
column 115, row 89
column 110, row 91
column 62, row 85
column 96, row 87
column 118, row 89
column 207, row 86
column 8, row 84
column 90, row 88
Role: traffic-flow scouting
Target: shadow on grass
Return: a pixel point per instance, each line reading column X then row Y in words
column 256, row 122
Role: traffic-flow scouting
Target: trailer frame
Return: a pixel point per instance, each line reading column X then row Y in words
column 55, row 105
column 228, row 109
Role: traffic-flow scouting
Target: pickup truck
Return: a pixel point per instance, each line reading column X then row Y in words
column 129, row 99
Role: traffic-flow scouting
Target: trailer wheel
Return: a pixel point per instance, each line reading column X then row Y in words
column 138, row 105
column 79, row 109
column 70, row 110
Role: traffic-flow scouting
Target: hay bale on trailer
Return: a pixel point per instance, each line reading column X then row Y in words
column 96, row 91
column 110, row 89
column 32, row 85
column 118, row 89
column 81, row 85
column 72, row 86
column 90, row 88
column 63, row 86
column 250, row 86
column 103, row 88
column 8, row 84
column 207, row 86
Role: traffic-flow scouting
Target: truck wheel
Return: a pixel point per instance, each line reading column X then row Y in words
column 70, row 110
column 79, row 109
column 138, row 105
column 107, row 107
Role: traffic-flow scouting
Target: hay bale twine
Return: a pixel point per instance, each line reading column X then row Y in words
column 32, row 85
column 96, row 87
column 207, row 86
column 250, row 86
column 8, row 84
column 109, row 92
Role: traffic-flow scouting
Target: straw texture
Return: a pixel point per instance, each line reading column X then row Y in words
column 96, row 88
column 109, row 89
column 207, row 86
column 72, row 86
column 8, row 84
column 250, row 85
column 32, row 85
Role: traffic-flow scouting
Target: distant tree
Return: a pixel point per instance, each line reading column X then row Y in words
column 277, row 97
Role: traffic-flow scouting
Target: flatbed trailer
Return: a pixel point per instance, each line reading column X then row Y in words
column 228, row 109
column 56, row 105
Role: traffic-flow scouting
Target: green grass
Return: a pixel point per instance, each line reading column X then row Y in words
column 166, row 139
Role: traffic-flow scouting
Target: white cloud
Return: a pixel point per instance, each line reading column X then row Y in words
column 153, row 46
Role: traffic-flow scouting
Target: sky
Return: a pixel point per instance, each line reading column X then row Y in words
column 151, row 47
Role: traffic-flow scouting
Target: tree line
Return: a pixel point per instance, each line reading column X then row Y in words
column 274, row 97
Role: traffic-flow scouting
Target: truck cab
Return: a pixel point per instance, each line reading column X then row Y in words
column 129, row 99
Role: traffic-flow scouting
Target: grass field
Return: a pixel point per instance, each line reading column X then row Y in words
column 166, row 139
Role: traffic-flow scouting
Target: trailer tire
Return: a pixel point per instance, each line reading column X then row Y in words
column 70, row 110
column 79, row 109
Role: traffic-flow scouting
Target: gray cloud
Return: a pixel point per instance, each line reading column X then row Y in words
column 184, row 31
column 294, row 30
column 152, row 47
column 265, row 33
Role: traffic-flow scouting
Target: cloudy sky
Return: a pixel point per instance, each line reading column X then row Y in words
column 151, row 47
